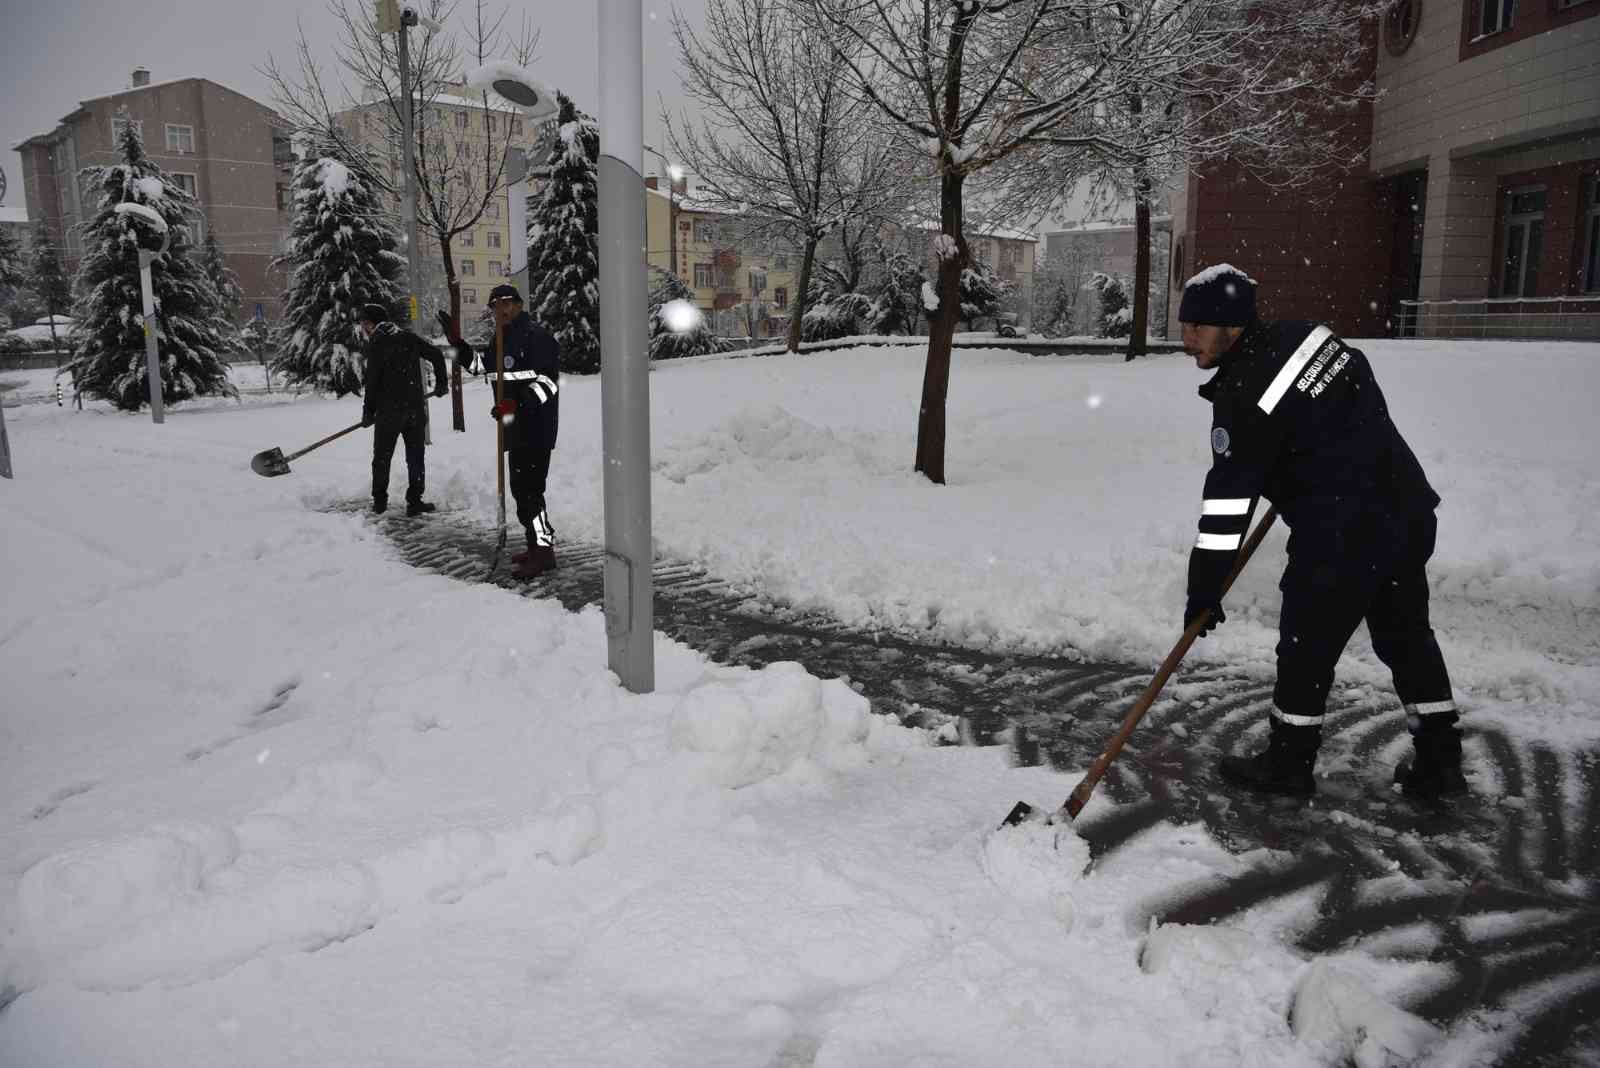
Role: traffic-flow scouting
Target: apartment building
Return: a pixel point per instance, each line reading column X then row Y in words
column 459, row 126
column 1478, row 212
column 231, row 152
column 744, row 283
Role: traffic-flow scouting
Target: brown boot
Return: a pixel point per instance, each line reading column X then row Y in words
column 538, row 560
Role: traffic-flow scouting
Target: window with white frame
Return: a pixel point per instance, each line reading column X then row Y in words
column 469, row 296
column 705, row 231
column 494, row 238
column 494, row 267
column 1495, row 15
column 180, row 138
column 468, row 239
column 494, row 210
column 119, row 127
column 186, row 182
column 1589, row 222
column 704, row 276
column 1522, row 241
column 468, row 268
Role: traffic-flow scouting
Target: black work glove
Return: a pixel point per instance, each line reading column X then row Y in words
column 367, row 419
column 1217, row 618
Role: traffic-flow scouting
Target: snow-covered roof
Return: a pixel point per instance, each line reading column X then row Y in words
column 1007, row 233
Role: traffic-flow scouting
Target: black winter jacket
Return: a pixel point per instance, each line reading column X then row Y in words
column 393, row 387
column 532, row 383
column 1298, row 418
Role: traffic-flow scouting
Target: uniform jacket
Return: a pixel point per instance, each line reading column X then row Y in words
column 393, row 385
column 532, row 382
column 1298, row 418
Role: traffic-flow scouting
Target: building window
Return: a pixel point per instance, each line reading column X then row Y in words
column 469, row 296
column 705, row 232
column 180, row 139
column 468, row 268
column 1400, row 25
column 186, row 182
column 285, row 197
column 469, row 240
column 704, row 276
column 494, row 238
column 1495, row 15
column 1590, row 224
column 494, row 268
column 780, row 262
column 494, row 210
column 516, row 127
column 1522, row 239
column 780, row 297
column 119, row 127
column 461, row 120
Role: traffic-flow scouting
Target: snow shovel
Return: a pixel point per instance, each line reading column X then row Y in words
column 1080, row 795
column 499, row 441
column 273, row 462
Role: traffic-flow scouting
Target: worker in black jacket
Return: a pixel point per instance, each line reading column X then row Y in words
column 528, row 412
column 1298, row 418
column 394, row 405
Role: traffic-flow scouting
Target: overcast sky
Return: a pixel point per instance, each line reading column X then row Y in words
column 56, row 53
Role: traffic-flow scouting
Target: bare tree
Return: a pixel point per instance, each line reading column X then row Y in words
column 460, row 154
column 970, row 83
column 781, row 140
column 1273, row 87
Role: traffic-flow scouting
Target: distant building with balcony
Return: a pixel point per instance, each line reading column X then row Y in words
column 232, row 153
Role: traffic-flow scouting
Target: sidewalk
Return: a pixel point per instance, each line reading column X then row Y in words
column 1502, row 890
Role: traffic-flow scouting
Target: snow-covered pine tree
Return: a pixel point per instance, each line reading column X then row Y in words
column 230, row 296
column 563, row 250
column 1116, row 314
column 667, row 343
column 898, row 297
column 50, row 282
column 11, row 272
column 110, row 330
column 982, row 292
column 342, row 255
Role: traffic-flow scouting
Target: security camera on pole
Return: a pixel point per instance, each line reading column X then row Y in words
column 152, row 351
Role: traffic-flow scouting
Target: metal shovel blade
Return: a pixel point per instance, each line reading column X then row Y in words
column 269, row 463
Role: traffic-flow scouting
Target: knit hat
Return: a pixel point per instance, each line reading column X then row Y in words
column 373, row 313
column 502, row 292
column 1221, row 295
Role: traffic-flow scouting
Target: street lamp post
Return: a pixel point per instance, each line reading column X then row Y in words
column 624, row 366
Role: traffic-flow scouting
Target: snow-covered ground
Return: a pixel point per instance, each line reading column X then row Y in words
column 271, row 797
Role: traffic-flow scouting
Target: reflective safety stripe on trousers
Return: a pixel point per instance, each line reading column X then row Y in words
column 1291, row 370
column 543, row 533
column 1218, row 541
column 1416, row 711
column 1296, row 721
column 1225, row 506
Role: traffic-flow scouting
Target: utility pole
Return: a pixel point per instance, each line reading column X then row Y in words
column 624, row 366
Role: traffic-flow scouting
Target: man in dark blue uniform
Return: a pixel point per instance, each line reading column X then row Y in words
column 529, row 413
column 1298, row 418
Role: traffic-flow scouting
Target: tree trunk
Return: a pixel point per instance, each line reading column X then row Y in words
column 802, row 288
column 1141, row 268
column 458, row 415
column 941, row 334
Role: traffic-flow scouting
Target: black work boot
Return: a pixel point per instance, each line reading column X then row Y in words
column 420, row 508
column 1284, row 767
column 1435, row 768
column 380, row 505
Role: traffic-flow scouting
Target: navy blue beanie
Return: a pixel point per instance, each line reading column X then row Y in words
column 1221, row 295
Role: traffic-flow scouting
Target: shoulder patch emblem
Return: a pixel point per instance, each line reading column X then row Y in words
column 1219, row 440
column 511, row 361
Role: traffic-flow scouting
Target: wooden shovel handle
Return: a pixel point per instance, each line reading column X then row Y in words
column 324, row 441
column 1080, row 794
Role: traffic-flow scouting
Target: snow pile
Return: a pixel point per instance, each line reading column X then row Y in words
column 334, row 177
column 930, row 297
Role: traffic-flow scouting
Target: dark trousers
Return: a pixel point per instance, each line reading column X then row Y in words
column 530, row 468
column 384, row 434
column 1352, row 568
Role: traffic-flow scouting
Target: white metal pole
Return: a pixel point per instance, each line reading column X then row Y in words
column 152, row 352
column 624, row 366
